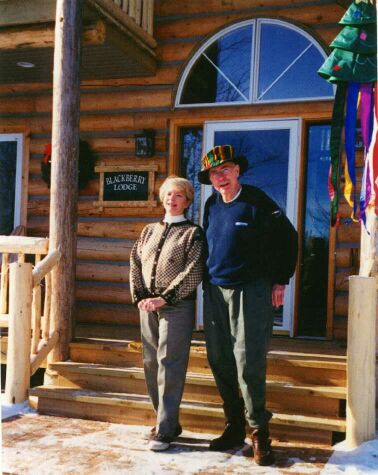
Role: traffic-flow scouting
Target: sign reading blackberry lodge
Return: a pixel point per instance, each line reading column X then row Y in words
column 124, row 185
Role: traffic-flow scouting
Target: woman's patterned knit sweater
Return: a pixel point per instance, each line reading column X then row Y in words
column 167, row 261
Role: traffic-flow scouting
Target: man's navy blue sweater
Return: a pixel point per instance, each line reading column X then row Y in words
column 244, row 238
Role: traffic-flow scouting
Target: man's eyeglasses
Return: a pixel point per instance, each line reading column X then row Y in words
column 220, row 172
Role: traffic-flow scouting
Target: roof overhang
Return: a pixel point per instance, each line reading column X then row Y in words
column 113, row 45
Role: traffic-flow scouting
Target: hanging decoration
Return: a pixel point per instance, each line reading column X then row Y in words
column 86, row 164
column 352, row 66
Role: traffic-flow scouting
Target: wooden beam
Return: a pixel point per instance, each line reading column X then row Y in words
column 19, row 341
column 331, row 282
column 123, row 21
column 23, row 244
column 361, row 361
column 36, row 313
column 23, row 12
column 45, row 266
column 43, row 37
column 4, row 283
column 4, row 320
column 64, row 169
column 44, row 348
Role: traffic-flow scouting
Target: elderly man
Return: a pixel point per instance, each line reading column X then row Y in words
column 252, row 252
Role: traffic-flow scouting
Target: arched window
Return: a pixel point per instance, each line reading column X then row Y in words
column 255, row 61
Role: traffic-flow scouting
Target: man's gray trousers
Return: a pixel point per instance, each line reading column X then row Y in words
column 238, row 324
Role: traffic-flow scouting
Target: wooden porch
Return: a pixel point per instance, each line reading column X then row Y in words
column 117, row 40
column 102, row 377
column 103, row 380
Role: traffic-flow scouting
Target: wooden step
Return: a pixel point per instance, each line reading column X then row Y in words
column 292, row 367
column 137, row 409
column 281, row 396
column 137, row 374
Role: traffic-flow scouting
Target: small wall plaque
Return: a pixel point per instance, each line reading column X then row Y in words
column 126, row 185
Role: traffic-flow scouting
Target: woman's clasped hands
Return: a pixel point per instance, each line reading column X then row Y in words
column 151, row 304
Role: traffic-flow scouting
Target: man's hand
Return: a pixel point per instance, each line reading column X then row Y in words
column 151, row 304
column 278, row 294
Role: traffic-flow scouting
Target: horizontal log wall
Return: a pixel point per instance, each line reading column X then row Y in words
column 113, row 111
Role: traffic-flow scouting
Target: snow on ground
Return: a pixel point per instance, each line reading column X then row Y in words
column 362, row 460
column 44, row 445
column 9, row 410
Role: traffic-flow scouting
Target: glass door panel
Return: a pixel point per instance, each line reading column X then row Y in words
column 313, row 286
column 272, row 149
column 10, row 181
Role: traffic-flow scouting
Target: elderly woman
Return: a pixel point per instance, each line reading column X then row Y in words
column 166, row 266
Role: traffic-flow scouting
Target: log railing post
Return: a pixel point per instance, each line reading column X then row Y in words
column 64, row 169
column 19, row 337
column 4, row 284
column 361, row 360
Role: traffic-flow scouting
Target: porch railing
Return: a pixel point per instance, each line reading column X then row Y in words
column 24, row 311
column 141, row 11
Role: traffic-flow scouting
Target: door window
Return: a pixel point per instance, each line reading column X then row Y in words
column 314, row 265
column 10, row 181
column 190, row 165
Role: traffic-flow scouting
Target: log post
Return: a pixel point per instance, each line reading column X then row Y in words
column 19, row 337
column 4, row 283
column 64, row 168
column 36, row 312
column 360, row 423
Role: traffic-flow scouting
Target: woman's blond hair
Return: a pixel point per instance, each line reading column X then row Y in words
column 182, row 184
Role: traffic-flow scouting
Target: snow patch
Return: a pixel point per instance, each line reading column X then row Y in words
column 11, row 410
column 361, row 461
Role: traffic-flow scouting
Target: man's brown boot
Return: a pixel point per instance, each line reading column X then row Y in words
column 262, row 450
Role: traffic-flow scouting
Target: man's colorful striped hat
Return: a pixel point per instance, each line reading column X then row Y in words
column 218, row 156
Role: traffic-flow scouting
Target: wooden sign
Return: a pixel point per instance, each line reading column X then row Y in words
column 126, row 185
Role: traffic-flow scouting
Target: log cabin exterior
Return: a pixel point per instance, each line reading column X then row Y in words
column 136, row 78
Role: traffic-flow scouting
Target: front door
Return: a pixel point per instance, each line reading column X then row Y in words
column 272, row 150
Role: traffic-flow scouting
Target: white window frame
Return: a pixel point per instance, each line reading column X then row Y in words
column 295, row 127
column 255, row 56
column 19, row 139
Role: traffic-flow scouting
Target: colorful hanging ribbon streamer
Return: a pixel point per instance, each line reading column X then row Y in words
column 374, row 149
column 366, row 118
column 335, row 147
column 350, row 138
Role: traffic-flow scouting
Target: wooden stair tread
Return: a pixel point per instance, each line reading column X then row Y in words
column 197, row 408
column 201, row 379
column 198, row 349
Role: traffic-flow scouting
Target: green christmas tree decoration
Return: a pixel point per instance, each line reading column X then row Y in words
column 361, row 40
column 359, row 13
column 354, row 55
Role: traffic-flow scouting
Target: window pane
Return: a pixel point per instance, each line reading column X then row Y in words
column 288, row 66
column 314, row 269
column 8, row 162
column 267, row 152
column 222, row 72
column 190, row 165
